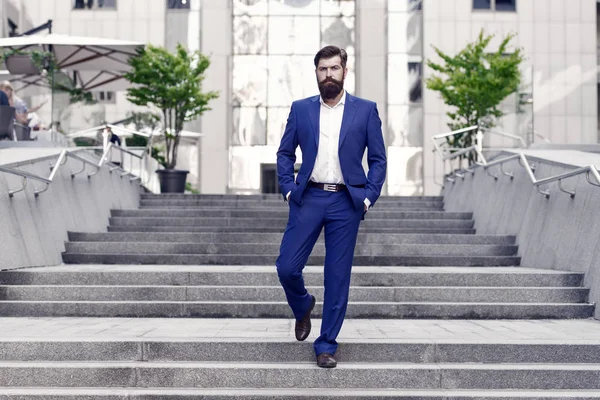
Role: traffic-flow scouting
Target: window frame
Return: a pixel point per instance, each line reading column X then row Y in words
column 493, row 8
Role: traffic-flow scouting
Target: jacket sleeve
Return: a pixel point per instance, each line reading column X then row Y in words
column 376, row 157
column 286, row 155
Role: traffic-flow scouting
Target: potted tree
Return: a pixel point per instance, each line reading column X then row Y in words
column 171, row 83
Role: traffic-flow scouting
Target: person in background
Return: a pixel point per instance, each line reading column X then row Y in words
column 21, row 110
column 4, row 99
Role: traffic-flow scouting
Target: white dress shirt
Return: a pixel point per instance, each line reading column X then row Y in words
column 327, row 167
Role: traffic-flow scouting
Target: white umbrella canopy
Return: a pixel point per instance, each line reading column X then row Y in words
column 94, row 63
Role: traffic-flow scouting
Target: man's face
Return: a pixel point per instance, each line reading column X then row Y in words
column 330, row 77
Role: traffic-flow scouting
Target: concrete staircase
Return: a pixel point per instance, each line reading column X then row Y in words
column 435, row 312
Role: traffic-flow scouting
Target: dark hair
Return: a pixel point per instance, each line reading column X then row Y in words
column 329, row 52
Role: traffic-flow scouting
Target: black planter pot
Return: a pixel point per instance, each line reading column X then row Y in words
column 172, row 180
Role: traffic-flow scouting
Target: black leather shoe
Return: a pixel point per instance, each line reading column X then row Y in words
column 326, row 360
column 303, row 326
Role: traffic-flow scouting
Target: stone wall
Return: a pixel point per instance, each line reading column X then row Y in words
column 33, row 230
column 558, row 232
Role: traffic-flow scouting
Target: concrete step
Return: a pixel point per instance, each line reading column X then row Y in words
column 265, row 196
column 278, row 213
column 374, row 250
column 233, row 309
column 278, row 203
column 275, row 238
column 145, row 275
column 282, row 222
column 275, row 293
column 279, row 229
column 283, row 207
column 288, row 394
column 245, row 259
column 299, row 375
column 290, row 351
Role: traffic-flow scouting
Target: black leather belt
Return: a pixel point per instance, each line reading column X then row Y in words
column 328, row 187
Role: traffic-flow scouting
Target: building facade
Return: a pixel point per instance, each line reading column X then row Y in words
column 262, row 52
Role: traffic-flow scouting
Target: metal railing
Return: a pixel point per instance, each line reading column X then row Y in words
column 450, row 153
column 62, row 159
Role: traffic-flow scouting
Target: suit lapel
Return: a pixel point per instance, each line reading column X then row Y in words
column 314, row 111
column 348, row 117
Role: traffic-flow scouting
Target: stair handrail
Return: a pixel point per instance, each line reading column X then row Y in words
column 62, row 159
column 589, row 170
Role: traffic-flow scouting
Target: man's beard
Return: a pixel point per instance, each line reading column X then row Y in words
column 330, row 88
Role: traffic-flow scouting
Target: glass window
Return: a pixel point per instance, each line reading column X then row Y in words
column 277, row 119
column 415, row 5
column 506, row 5
column 415, row 75
column 291, row 78
column 95, row 4
column 250, row 7
column 249, row 126
column 178, row 4
column 405, row 125
column 274, row 46
column 337, row 8
column 249, row 81
column 482, row 5
column 294, row 7
column 293, row 35
column 338, row 32
column 107, row 3
column 414, row 40
column 250, row 35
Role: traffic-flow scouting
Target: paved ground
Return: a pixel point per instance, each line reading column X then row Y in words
column 542, row 331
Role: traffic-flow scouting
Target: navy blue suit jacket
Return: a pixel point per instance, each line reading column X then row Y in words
column 361, row 129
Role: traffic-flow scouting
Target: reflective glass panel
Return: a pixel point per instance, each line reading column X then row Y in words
column 482, row 4
column 338, row 32
column 294, row 7
column 250, row 35
column 277, row 119
column 506, row 5
column 178, row 4
column 291, row 78
column 250, row 7
column 415, row 88
column 249, row 126
column 397, row 79
column 397, row 31
column 415, row 5
column 293, row 35
column 414, row 40
column 338, row 8
column 249, row 80
column 405, row 125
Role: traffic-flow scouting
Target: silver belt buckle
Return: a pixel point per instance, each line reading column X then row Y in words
column 330, row 187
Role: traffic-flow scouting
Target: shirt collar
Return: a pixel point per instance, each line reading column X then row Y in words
column 341, row 102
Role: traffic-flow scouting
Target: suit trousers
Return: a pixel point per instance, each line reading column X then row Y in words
column 335, row 212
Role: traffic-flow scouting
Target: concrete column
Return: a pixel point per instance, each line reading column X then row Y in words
column 371, row 57
column 216, row 42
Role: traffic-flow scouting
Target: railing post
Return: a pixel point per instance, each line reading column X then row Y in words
column 479, row 144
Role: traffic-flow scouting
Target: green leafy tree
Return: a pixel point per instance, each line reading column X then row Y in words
column 172, row 83
column 475, row 82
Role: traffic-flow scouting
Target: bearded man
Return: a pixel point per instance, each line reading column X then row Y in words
column 331, row 191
